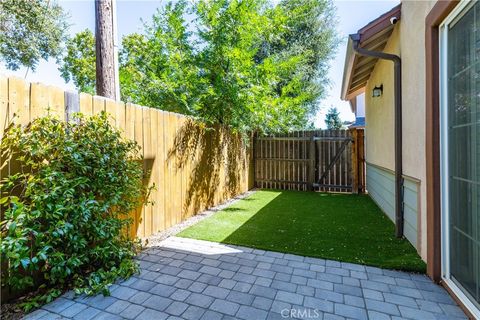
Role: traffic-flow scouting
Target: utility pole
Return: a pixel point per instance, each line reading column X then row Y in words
column 105, row 42
column 115, row 49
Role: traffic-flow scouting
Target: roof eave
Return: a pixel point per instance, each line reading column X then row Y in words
column 369, row 31
column 347, row 69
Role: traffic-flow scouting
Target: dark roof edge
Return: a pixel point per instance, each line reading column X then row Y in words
column 380, row 23
column 365, row 33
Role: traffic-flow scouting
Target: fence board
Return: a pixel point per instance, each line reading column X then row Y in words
column 148, row 159
column 177, row 208
column 177, row 196
column 179, row 170
column 111, row 109
column 3, row 104
column 129, row 134
column 120, row 116
column 182, row 121
column 152, row 114
column 19, row 98
column 86, row 104
column 56, row 102
column 140, row 216
column 39, row 100
column 169, row 170
column 160, row 160
column 98, row 104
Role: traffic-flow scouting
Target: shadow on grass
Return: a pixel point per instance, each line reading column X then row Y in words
column 341, row 227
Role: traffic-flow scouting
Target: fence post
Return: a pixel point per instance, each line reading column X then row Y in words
column 72, row 104
column 355, row 172
column 311, row 167
column 253, row 162
column 361, row 160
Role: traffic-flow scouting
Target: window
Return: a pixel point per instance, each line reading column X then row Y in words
column 460, row 112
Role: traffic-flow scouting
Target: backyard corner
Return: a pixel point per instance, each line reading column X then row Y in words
column 206, row 160
column 341, row 227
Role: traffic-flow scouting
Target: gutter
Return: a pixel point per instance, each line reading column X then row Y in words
column 397, row 69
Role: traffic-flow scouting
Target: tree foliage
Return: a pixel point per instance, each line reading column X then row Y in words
column 158, row 68
column 332, row 119
column 30, row 30
column 66, row 209
column 79, row 62
column 309, row 33
column 246, row 64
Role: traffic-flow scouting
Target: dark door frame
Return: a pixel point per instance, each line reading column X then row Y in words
column 434, row 251
column 433, row 183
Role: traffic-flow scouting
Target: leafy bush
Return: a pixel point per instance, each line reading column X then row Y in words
column 66, row 205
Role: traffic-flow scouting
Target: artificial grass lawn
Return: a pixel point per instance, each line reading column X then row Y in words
column 341, row 227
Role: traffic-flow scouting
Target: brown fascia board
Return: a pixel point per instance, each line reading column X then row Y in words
column 379, row 24
column 350, row 57
column 370, row 30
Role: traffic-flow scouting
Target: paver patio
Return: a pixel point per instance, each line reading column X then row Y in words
column 194, row 279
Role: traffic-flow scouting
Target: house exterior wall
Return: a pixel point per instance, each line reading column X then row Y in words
column 407, row 41
column 360, row 110
column 413, row 98
column 379, row 111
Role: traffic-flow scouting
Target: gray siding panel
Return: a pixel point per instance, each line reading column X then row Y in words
column 381, row 188
column 410, row 208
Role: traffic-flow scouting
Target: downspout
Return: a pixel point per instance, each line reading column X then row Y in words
column 397, row 63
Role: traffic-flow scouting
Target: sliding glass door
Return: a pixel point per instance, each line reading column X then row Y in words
column 460, row 91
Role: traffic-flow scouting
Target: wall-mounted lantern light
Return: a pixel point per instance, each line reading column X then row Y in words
column 377, row 91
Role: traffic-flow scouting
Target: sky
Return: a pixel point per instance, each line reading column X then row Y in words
column 352, row 15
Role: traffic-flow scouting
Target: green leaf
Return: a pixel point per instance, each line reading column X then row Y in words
column 25, row 263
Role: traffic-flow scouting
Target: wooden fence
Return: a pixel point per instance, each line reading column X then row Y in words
column 192, row 168
column 324, row 160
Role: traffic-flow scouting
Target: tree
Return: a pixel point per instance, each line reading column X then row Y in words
column 79, row 63
column 30, row 30
column 230, row 34
column 332, row 119
column 307, row 34
column 237, row 63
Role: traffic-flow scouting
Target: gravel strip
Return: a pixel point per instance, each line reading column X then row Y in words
column 156, row 238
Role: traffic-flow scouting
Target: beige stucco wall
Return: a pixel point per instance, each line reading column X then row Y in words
column 407, row 40
column 413, row 98
column 379, row 111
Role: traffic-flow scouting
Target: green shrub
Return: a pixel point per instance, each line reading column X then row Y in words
column 66, row 206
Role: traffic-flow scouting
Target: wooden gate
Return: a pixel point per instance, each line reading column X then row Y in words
column 323, row 160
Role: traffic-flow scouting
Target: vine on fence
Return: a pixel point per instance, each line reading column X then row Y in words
column 66, row 204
